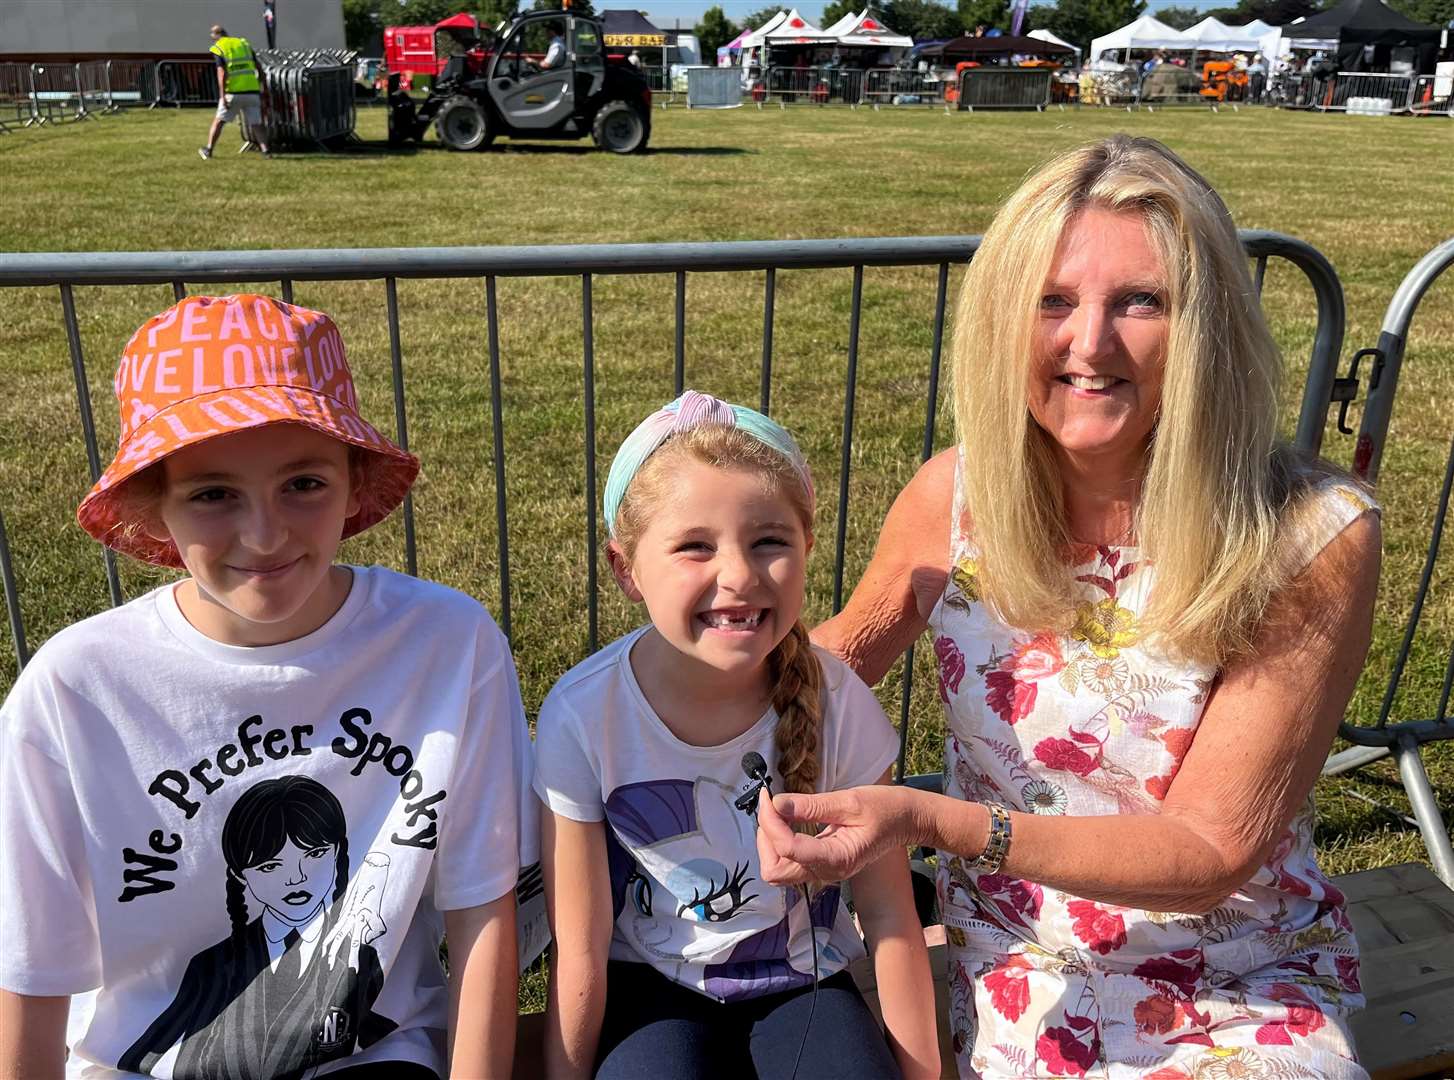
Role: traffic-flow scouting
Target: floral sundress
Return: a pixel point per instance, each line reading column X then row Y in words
column 1044, row 983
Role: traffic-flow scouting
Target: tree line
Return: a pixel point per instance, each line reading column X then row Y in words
column 1077, row 21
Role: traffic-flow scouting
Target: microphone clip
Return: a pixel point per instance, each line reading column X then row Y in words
column 756, row 769
column 747, row 801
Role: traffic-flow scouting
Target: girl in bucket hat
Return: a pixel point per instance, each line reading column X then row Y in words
column 244, row 807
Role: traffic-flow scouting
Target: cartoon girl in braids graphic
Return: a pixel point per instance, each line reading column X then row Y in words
column 294, row 983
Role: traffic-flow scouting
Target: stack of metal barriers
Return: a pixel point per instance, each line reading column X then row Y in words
column 307, row 97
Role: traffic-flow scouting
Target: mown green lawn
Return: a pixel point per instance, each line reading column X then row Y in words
column 1372, row 193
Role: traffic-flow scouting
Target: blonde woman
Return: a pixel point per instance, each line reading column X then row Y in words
column 1149, row 615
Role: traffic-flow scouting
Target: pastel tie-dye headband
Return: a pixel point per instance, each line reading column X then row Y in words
column 694, row 410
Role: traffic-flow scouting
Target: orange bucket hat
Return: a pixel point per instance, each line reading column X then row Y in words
column 214, row 365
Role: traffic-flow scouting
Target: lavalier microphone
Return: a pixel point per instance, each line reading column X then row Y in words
column 756, row 769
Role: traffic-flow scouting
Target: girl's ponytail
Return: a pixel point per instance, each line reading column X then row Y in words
column 797, row 696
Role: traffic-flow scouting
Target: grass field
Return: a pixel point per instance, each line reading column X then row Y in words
column 1373, row 194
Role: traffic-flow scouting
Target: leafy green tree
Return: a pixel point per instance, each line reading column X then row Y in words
column 986, row 13
column 1039, row 17
column 836, row 9
column 425, row 12
column 757, row 18
column 922, row 20
column 714, row 31
column 1081, row 21
column 362, row 22
column 1180, row 18
column 1276, row 12
column 1437, row 12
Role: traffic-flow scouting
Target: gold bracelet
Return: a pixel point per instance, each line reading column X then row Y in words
column 997, row 844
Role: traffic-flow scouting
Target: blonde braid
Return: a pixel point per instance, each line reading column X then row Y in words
column 797, row 696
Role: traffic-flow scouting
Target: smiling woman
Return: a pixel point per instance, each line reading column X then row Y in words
column 1148, row 616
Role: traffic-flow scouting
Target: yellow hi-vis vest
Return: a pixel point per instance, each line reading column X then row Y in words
column 241, row 69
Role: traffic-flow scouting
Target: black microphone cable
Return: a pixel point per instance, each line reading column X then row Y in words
column 756, row 769
column 813, row 1002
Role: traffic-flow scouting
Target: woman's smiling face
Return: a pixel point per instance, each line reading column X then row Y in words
column 1095, row 385
column 295, row 882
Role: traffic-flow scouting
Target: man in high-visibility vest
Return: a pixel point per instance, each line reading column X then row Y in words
column 237, row 91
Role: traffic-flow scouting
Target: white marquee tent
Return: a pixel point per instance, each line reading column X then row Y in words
column 754, row 39
column 1282, row 40
column 1213, row 35
column 1144, row 33
column 865, row 29
column 1046, row 35
column 791, row 29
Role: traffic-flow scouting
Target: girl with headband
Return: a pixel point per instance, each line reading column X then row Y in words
column 672, row 957
column 244, row 807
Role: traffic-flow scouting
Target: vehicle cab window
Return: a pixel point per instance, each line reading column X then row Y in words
column 587, row 43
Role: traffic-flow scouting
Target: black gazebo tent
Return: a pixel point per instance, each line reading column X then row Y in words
column 982, row 48
column 1357, row 23
column 625, row 29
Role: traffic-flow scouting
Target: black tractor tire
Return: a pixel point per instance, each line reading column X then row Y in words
column 463, row 124
column 620, row 128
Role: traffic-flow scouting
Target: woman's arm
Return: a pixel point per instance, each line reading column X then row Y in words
column 890, row 606
column 484, row 979
column 578, row 901
column 1257, row 753
column 32, row 1036
column 884, row 901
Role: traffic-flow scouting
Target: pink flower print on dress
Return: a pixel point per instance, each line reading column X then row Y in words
column 1016, row 899
column 1181, row 969
column 1303, row 1017
column 1010, row 699
column 1038, row 658
column 1009, row 987
column 951, row 666
column 1348, row 973
column 1103, row 931
column 1067, row 1053
column 1064, row 755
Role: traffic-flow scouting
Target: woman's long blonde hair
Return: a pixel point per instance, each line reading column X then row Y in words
column 797, row 677
column 1216, row 482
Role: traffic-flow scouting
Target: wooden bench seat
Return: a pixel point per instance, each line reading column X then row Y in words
column 1404, row 919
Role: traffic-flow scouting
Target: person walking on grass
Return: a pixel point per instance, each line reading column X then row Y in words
column 237, row 92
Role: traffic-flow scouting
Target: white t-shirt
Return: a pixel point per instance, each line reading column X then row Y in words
column 687, row 895
column 248, row 849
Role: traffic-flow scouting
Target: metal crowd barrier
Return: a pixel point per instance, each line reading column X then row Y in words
column 677, row 262
column 897, row 86
column 1004, row 88
column 59, row 87
column 129, row 82
column 15, row 96
column 1432, row 95
column 1339, row 88
column 714, row 88
column 184, row 82
column 306, row 98
column 811, row 86
column 1404, row 737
